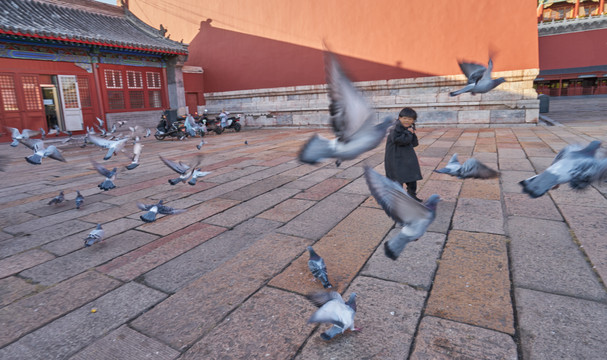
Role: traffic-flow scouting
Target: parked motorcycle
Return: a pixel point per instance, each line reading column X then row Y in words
column 169, row 125
column 211, row 124
column 233, row 122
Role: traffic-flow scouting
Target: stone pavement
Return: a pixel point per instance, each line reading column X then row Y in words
column 497, row 276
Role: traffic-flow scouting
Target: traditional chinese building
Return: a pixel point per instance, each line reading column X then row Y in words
column 572, row 50
column 65, row 62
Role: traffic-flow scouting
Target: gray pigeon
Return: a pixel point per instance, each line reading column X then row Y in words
column 333, row 310
column 136, row 154
column 577, row 165
column 57, row 199
column 414, row 216
column 42, row 134
column 352, row 121
column 112, row 146
column 184, row 171
column 79, row 199
column 317, row 266
column 40, row 151
column 94, row 236
column 148, row 132
column 154, row 209
column 110, row 176
column 471, row 168
column 197, row 174
column 16, row 135
column 199, row 146
column 479, row 78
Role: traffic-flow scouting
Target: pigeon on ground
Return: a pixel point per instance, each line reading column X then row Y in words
column 352, row 121
column 148, row 132
column 16, row 135
column 112, row 146
column 199, row 146
column 136, row 154
column 41, row 152
column 110, row 176
column 197, row 174
column 335, row 311
column 57, row 199
column 94, row 236
column 184, row 171
column 414, row 216
column 154, row 209
column 317, row 266
column 479, row 78
column 471, row 168
column 79, row 199
column 575, row 164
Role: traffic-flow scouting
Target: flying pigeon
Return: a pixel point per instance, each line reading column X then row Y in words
column 351, row 119
column 335, row 311
column 148, row 132
column 94, row 236
column 197, row 174
column 136, row 154
column 199, row 146
column 479, row 78
column 42, row 134
column 471, row 168
column 317, row 266
column 154, row 209
column 57, row 199
column 16, row 135
column 110, row 176
column 184, row 171
column 120, row 123
column 574, row 164
column 402, row 208
column 112, row 146
column 100, row 122
column 41, row 152
column 113, row 129
column 79, row 199
column 69, row 138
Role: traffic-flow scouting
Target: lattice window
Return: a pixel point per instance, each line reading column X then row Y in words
column 115, row 100
column 9, row 95
column 113, row 79
column 134, row 79
column 153, row 80
column 70, row 94
column 155, row 99
column 85, row 92
column 136, row 99
column 32, row 92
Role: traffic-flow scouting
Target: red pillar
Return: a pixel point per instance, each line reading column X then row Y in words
column 601, row 7
column 576, row 9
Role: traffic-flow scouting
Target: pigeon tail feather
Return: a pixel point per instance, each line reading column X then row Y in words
column 174, row 181
column 148, row 217
column 396, row 245
column 330, row 334
column 131, row 166
column 34, row 159
column 538, row 185
column 107, row 185
column 316, row 149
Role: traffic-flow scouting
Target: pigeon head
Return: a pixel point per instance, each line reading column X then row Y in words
column 352, row 301
column 432, row 202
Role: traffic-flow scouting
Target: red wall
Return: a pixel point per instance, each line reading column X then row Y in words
column 270, row 43
column 587, row 48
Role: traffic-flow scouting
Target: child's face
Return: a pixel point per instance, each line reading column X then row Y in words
column 406, row 121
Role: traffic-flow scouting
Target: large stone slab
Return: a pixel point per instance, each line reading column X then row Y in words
column 560, row 327
column 488, row 189
column 545, row 258
column 250, row 191
column 187, row 267
column 30, row 313
column 479, row 215
column 287, row 210
column 125, row 343
column 64, row 267
column 440, row 339
column 22, row 261
column 13, row 288
column 525, row 206
column 200, row 306
column 72, row 332
column 258, row 322
column 472, row 284
column 444, row 214
column 388, row 314
column 415, row 266
column 314, row 222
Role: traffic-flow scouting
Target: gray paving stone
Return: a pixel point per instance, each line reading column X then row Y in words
column 257, row 322
column 509, row 180
column 560, row 327
column 415, row 266
column 72, row 332
column 260, row 187
column 189, row 266
column 241, row 212
column 440, row 339
column 236, row 174
column 387, row 312
column 79, row 261
column 13, row 288
column 545, row 258
column 444, row 213
column 314, row 222
column 479, row 215
column 351, row 172
column 125, row 343
column 22, row 261
column 525, row 206
column 200, row 306
column 272, row 171
column 313, row 178
column 221, row 189
column 358, row 186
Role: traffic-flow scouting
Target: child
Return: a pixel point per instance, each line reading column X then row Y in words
column 400, row 159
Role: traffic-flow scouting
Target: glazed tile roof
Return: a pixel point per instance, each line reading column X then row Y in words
column 84, row 22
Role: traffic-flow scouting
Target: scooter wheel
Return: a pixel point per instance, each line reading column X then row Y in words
column 159, row 136
column 218, row 130
column 237, row 127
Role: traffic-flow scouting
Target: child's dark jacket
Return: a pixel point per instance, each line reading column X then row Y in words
column 400, row 159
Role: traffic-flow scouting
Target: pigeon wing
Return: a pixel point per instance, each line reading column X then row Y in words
column 452, row 166
column 27, row 133
column 177, row 167
column 14, row 132
column 53, row 153
column 330, row 313
column 487, row 72
column 106, row 144
column 145, row 207
column 472, row 71
column 32, row 143
column 322, row 297
column 349, row 110
column 476, row 169
column 102, row 170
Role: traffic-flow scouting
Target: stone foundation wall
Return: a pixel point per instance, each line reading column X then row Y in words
column 513, row 103
column 145, row 119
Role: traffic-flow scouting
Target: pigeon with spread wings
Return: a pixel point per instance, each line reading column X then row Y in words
column 185, row 171
column 479, row 78
column 471, row 168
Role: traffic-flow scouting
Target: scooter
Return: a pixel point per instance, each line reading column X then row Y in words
column 166, row 127
column 233, row 122
column 211, row 124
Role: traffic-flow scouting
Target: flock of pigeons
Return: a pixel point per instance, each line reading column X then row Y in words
column 353, row 123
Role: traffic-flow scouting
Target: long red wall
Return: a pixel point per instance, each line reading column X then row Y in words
column 586, row 48
column 269, row 43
